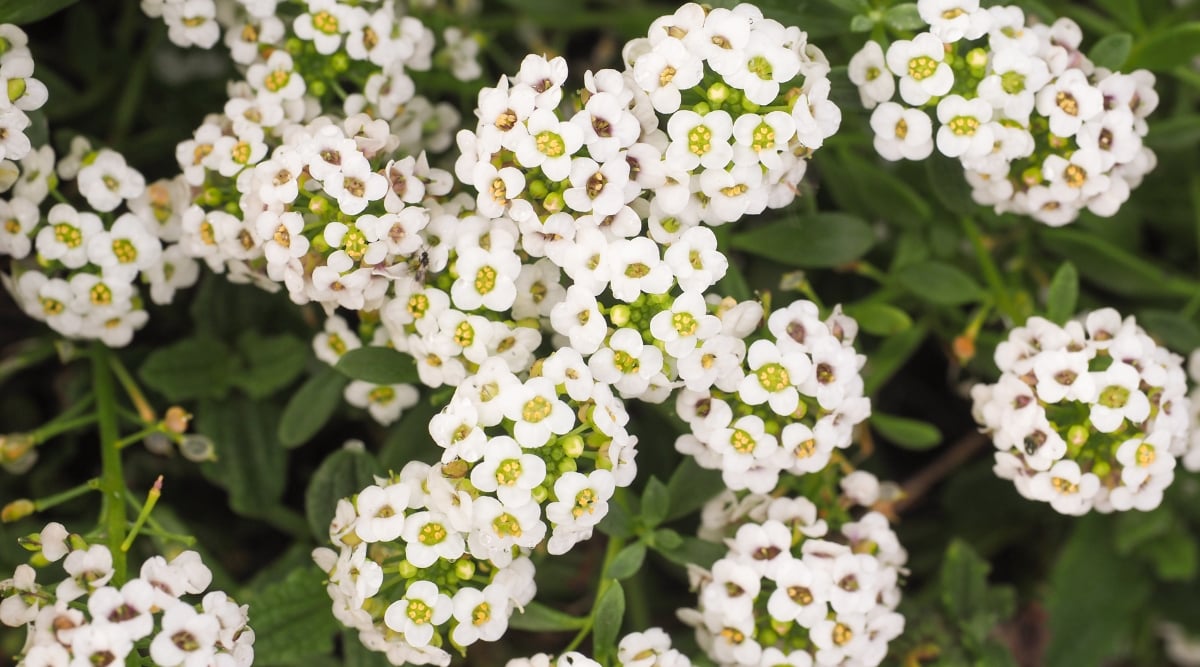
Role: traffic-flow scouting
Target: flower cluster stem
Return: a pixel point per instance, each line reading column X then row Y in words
column 112, row 478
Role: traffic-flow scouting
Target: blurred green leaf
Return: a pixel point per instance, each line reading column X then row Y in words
column 973, row 605
column 1167, row 48
column 311, row 407
column 949, row 185
column 378, row 365
column 342, row 474
column 861, row 23
column 1180, row 132
column 1112, row 267
column 292, row 620
column 656, row 501
column 1112, row 51
column 693, row 551
column 610, row 613
column 1125, row 11
column 907, row 433
column 940, row 283
column 904, row 17
column 1063, row 294
column 1095, row 597
column 879, row 319
column 809, row 241
column 627, row 561
column 200, row 367
column 27, row 11
column 890, row 356
column 1172, row 328
column 272, row 362
column 537, row 617
column 250, row 463
column 1174, row 555
column 690, row 487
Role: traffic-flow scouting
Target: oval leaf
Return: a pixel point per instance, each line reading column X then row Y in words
column 905, row 432
column 904, row 17
column 940, row 283
column 1167, row 49
column 537, row 617
column 610, row 612
column 192, row 368
column 879, row 319
column 813, row 241
column 1112, row 267
column 378, row 365
column 311, row 406
column 1112, row 51
column 28, row 11
column 1063, row 293
column 627, row 561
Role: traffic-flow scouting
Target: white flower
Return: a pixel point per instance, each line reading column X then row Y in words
column 486, row 278
column 1066, row 487
column 192, row 23
column 597, row 188
column 773, row 377
column 578, row 317
column 277, row 77
column 537, row 413
column 324, row 24
column 125, row 249
column 1069, row 101
column 355, row 184
column 18, row 217
column 428, row 537
column 88, row 568
column 497, row 528
column 415, row 615
column 14, row 145
column 67, row 235
column 626, row 363
column 581, row 502
column 762, row 139
column 480, row 614
column 868, row 71
column 545, row 77
column 106, row 643
column 953, row 20
column 1014, row 80
column 107, row 180
column 665, row 70
column 699, row 140
column 549, row 144
column 965, row 131
column 686, row 324
column 384, row 402
column 637, row 268
column 695, row 260
column 130, row 607
column 185, row 574
column 381, row 512
column 766, row 63
column 920, row 65
column 508, row 471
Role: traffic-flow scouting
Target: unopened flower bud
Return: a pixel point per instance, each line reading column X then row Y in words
column 17, row 510
column 619, row 315
column 15, row 445
column 177, row 420
column 407, row 569
column 718, row 92
column 572, row 445
column 464, row 568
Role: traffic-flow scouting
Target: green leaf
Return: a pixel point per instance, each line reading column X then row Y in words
column 27, row 11
column 342, row 474
column 949, row 185
column 192, row 368
column 1174, row 555
column 1180, row 132
column 1062, row 294
column 1113, row 268
column 272, row 362
column 907, row 433
column 537, row 617
column 864, row 187
column 904, row 17
column 666, row 538
column 1111, row 51
column 690, row 487
column 861, row 23
column 617, row 523
column 250, row 463
column 851, row 6
column 693, row 551
column 883, row 363
column 1168, row 48
column 627, row 561
column 965, row 595
column 409, row 439
column 879, row 319
column 1125, row 11
column 940, row 283
column 820, row 240
column 291, row 619
column 378, row 365
column 311, row 407
column 1095, row 598
column 606, row 627
column 656, row 501
column 1176, row 331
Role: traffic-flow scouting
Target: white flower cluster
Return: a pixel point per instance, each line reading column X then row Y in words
column 713, row 118
column 1039, row 129
column 796, row 589
column 385, row 403
column 19, row 93
column 86, row 619
column 406, row 575
column 782, row 404
column 387, row 36
column 1191, row 460
column 331, row 205
column 1090, row 415
column 78, row 270
column 651, row 648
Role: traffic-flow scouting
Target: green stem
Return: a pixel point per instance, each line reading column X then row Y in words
column 145, row 412
column 155, row 528
column 991, row 274
column 24, row 355
column 62, row 425
column 64, row 496
column 614, row 547
column 138, row 437
column 151, row 501
column 112, row 478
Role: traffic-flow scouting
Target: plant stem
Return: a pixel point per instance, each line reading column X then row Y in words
column 112, row 478
column 991, row 274
column 60, row 426
column 70, row 494
column 614, row 547
column 132, row 390
column 953, row 459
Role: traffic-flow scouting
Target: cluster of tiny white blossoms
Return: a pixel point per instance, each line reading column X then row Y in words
column 406, row 575
column 1088, row 415
column 88, row 619
column 781, row 404
column 798, row 589
column 303, row 184
column 651, row 648
column 1191, row 460
column 77, row 266
column 1039, row 129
